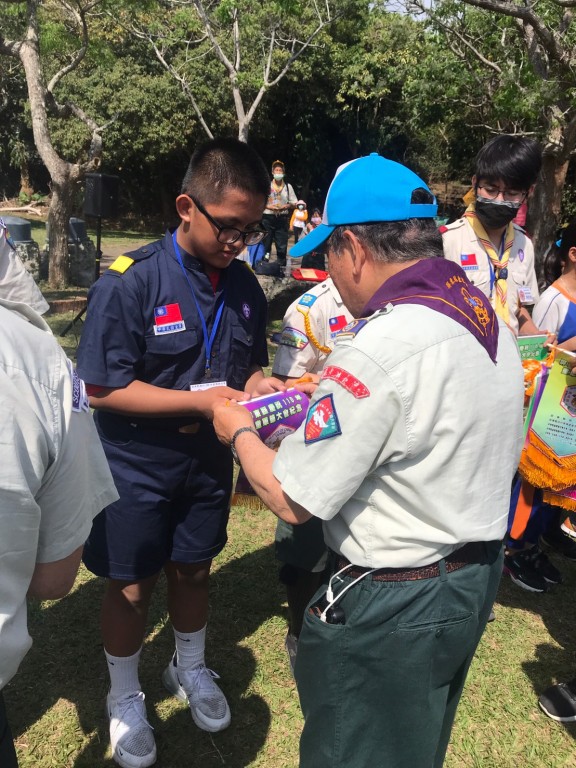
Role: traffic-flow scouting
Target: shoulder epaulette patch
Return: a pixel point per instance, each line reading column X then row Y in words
column 454, row 225
column 353, row 328
column 307, row 299
column 121, row 264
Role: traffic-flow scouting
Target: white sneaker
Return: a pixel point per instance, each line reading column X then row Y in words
column 131, row 736
column 208, row 705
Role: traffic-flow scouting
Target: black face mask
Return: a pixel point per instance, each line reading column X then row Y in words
column 495, row 214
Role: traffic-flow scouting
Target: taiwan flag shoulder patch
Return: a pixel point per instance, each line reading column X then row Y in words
column 168, row 319
column 321, row 421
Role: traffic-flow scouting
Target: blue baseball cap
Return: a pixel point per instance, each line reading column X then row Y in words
column 367, row 190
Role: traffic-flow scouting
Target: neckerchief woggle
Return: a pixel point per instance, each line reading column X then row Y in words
column 208, row 338
column 441, row 285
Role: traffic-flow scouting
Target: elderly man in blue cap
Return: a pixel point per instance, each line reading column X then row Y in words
column 396, row 457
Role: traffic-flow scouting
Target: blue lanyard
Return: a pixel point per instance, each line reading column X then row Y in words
column 208, row 339
column 500, row 254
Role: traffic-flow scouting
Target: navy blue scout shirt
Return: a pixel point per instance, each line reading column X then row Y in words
column 119, row 344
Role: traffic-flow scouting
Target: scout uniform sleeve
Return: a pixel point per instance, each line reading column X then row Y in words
column 296, row 354
column 355, row 422
column 112, row 342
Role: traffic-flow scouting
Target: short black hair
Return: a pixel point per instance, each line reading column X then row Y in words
column 222, row 164
column 515, row 160
column 395, row 242
column 558, row 254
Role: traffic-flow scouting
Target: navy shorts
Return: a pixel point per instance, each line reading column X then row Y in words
column 174, row 500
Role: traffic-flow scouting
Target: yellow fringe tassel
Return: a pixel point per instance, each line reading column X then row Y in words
column 250, row 501
column 559, row 501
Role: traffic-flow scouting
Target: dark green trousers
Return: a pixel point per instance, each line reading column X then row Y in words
column 7, row 751
column 381, row 690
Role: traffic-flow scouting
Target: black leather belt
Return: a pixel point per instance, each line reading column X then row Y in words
column 473, row 552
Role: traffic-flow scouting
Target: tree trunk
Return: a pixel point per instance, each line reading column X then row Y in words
column 243, row 130
column 26, row 188
column 544, row 208
column 61, row 205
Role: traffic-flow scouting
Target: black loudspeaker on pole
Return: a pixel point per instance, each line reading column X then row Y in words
column 101, row 202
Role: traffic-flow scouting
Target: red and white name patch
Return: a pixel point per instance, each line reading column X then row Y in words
column 347, row 380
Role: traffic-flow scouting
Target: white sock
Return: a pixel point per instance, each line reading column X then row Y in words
column 123, row 671
column 190, row 648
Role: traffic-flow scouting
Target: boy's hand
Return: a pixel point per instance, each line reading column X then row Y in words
column 209, row 399
column 266, row 386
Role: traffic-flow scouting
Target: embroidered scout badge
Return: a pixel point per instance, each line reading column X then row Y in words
column 322, row 421
column 468, row 261
column 292, row 337
column 168, row 319
column 346, row 380
column 352, row 328
column 79, row 396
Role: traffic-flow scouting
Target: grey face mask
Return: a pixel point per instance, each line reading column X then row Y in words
column 495, row 214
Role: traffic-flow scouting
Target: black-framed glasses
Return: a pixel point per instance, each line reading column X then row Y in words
column 491, row 191
column 230, row 235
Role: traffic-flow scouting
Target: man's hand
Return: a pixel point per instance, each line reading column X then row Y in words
column 209, row 399
column 228, row 417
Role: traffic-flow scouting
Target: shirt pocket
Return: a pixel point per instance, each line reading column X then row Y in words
column 241, row 355
column 171, row 360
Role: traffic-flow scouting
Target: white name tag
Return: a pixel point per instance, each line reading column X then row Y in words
column 525, row 295
column 206, row 385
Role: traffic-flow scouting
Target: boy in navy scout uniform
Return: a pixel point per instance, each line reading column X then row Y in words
column 495, row 253
column 172, row 329
column 395, row 459
column 309, row 330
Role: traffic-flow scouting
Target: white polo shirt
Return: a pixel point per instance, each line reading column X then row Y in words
column 54, row 476
column 412, row 441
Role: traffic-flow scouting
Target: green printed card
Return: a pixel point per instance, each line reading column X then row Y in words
column 532, row 347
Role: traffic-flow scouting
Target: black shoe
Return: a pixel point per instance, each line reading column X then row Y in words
column 560, row 542
column 559, row 702
column 521, row 568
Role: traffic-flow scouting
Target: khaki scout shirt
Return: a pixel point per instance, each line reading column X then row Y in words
column 462, row 246
column 297, row 353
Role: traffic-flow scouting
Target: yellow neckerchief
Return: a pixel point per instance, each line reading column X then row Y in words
column 500, row 302
column 305, row 311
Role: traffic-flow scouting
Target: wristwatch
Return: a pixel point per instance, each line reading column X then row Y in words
column 234, row 438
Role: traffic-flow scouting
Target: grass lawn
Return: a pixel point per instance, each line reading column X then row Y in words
column 56, row 701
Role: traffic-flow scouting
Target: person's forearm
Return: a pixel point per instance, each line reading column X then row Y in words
column 142, row 399
column 257, row 459
column 51, row 581
column 526, row 326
